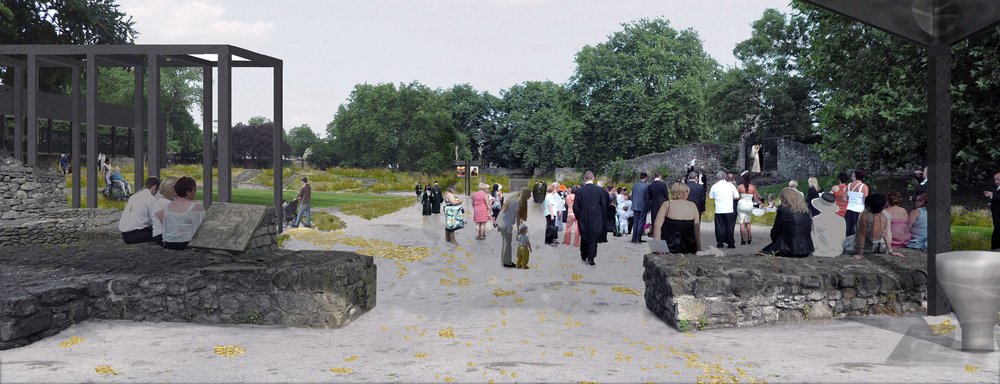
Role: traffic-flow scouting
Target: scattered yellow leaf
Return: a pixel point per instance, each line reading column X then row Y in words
column 449, row 379
column 471, row 364
column 464, row 282
column 229, row 350
column 568, row 354
column 447, row 332
column 943, row 328
column 422, row 355
column 577, row 277
column 351, row 359
column 501, row 293
column 342, row 371
column 519, row 300
column 105, row 370
column 447, row 282
column 626, row 290
column 74, row 340
column 971, row 368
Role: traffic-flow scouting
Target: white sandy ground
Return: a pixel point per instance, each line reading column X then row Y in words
column 553, row 329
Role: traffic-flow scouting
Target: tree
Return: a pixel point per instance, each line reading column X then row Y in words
column 253, row 141
column 475, row 114
column 409, row 128
column 62, row 22
column 301, row 138
column 642, row 91
column 538, row 125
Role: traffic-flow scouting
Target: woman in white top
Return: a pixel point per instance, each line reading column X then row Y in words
column 182, row 217
column 857, row 191
column 166, row 195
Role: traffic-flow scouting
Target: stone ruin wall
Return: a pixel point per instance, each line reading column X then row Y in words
column 28, row 192
column 797, row 161
column 677, row 159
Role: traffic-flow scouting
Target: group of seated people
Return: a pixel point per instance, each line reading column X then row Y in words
column 164, row 213
column 881, row 227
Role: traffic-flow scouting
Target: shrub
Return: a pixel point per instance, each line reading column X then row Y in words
column 371, row 209
column 326, row 221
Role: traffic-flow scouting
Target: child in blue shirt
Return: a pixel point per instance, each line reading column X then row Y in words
column 523, row 246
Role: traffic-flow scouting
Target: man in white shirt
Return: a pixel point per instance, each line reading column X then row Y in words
column 136, row 223
column 724, row 193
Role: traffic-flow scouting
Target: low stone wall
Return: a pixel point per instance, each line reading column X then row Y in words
column 677, row 160
column 265, row 237
column 45, row 289
column 514, row 173
column 737, row 291
column 65, row 226
column 27, row 192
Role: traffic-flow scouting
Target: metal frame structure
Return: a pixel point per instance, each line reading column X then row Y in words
column 146, row 60
column 936, row 25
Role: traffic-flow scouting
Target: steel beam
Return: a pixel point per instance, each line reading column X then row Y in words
column 75, row 138
column 939, row 164
column 92, row 165
column 225, row 126
column 153, row 116
column 206, row 136
column 276, row 155
column 32, row 139
column 137, row 128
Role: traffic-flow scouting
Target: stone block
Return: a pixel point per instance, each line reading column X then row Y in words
column 17, row 328
column 707, row 286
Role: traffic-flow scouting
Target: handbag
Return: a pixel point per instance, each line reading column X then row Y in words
column 454, row 217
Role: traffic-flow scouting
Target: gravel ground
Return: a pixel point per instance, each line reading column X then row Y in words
column 453, row 314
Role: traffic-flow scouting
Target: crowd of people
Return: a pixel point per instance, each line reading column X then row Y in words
column 163, row 212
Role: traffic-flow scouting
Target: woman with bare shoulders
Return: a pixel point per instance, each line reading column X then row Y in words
column 899, row 225
column 744, row 208
column 678, row 222
column 857, row 192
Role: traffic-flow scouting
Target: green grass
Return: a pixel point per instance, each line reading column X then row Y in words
column 326, row 221
column 970, row 238
column 102, row 202
column 319, row 199
column 371, row 209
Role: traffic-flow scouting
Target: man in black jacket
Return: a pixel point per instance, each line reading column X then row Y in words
column 657, row 194
column 697, row 194
column 994, row 197
column 436, row 198
column 590, row 208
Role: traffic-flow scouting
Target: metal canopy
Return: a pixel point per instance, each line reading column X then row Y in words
column 935, row 24
column 26, row 104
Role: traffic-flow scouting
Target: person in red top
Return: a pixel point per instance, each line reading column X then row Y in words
column 840, row 194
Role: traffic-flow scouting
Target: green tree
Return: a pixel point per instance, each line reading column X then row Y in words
column 475, row 115
column 62, row 22
column 409, row 128
column 301, row 138
column 538, row 125
column 642, row 91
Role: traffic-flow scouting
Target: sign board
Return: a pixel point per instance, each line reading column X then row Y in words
column 228, row 227
column 474, row 171
column 460, row 170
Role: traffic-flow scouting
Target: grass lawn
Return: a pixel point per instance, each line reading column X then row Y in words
column 319, row 199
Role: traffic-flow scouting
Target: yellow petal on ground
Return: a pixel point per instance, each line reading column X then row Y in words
column 447, row 282
column 649, row 348
column 471, row 364
column 342, row 371
column 943, row 328
column 464, row 282
column 105, row 370
column 519, row 300
column 422, row 333
column 501, row 293
column 577, row 277
column 385, row 328
column 971, row 368
column 625, row 290
column 504, row 322
column 229, row 350
column 351, row 359
column 74, row 340
column 568, row 354
column 592, row 291
column 422, row 355
column 447, row 332
column 449, row 379
column 513, row 375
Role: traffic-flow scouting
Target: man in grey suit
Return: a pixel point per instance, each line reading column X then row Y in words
column 640, row 207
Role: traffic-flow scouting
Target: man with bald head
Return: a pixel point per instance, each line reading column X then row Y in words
column 994, row 196
column 725, row 195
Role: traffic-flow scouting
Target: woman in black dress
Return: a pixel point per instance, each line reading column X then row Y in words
column 678, row 222
column 791, row 234
column 814, row 192
column 426, row 200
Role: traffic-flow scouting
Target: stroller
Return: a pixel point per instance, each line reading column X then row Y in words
column 290, row 209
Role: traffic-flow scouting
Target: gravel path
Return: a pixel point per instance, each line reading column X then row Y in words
column 453, row 314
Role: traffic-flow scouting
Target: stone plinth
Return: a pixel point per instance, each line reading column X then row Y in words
column 737, row 291
column 45, row 289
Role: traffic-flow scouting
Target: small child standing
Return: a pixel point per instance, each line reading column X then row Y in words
column 523, row 246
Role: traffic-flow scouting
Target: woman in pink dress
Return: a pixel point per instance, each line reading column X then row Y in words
column 572, row 230
column 481, row 210
column 899, row 226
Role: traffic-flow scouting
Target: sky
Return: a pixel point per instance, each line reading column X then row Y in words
column 328, row 46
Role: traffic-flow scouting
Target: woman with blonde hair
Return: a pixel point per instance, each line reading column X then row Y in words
column 791, row 234
column 572, row 229
column 814, row 192
column 481, row 202
column 678, row 222
column 165, row 195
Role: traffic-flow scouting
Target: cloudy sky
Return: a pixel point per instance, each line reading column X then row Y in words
column 328, row 46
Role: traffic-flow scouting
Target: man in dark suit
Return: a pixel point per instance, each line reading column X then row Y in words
column 640, row 207
column 657, row 192
column 436, row 198
column 538, row 192
column 994, row 197
column 590, row 209
column 697, row 194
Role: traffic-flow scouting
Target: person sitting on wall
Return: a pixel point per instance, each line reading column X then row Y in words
column 874, row 232
column 182, row 217
column 136, row 223
column 828, row 227
column 791, row 234
column 678, row 221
